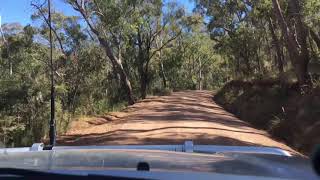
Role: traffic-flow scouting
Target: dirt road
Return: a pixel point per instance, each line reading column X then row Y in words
column 188, row 115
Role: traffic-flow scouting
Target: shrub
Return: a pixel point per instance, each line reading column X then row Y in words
column 162, row 91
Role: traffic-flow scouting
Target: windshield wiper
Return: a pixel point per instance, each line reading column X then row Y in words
column 12, row 173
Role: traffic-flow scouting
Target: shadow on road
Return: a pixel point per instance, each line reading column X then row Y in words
column 188, row 115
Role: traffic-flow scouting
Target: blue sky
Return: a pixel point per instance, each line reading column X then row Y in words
column 21, row 10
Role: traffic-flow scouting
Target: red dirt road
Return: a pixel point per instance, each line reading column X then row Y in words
column 188, row 115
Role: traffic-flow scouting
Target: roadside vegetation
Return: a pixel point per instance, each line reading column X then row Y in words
column 114, row 53
column 282, row 111
column 274, row 47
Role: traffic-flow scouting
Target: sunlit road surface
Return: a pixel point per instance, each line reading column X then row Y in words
column 187, row 115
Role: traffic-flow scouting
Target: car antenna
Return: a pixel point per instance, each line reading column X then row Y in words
column 52, row 127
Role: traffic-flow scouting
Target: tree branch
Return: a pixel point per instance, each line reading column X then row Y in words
column 47, row 22
column 215, row 39
column 165, row 44
column 158, row 32
column 80, row 8
column 315, row 37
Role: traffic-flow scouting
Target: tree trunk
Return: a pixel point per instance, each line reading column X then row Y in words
column 296, row 41
column 279, row 56
column 119, row 68
column 301, row 34
column 315, row 37
column 104, row 43
column 10, row 68
column 120, row 60
column 143, row 84
column 163, row 75
column 143, row 70
column 311, row 47
column 159, row 44
column 260, row 64
column 200, row 75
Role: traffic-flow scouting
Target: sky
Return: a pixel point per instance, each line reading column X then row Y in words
column 20, row 11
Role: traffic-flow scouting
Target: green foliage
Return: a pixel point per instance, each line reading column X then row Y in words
column 192, row 55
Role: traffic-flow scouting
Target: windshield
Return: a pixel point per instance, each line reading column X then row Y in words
column 160, row 72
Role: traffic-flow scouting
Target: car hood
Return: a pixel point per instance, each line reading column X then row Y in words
column 106, row 159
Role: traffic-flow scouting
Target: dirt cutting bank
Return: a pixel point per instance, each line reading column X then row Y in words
column 282, row 111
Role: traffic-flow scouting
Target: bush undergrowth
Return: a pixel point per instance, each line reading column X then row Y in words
column 279, row 109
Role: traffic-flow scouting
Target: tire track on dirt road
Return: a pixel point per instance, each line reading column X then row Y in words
column 187, row 115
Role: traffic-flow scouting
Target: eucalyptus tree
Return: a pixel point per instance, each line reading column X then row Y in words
column 157, row 25
column 23, row 108
column 238, row 28
column 228, row 26
column 8, row 31
column 101, row 16
column 191, row 62
column 295, row 33
column 68, row 39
